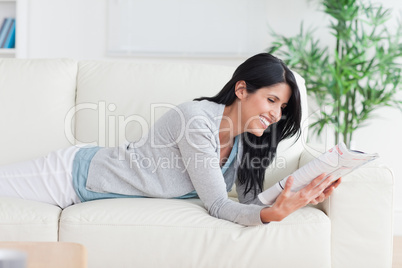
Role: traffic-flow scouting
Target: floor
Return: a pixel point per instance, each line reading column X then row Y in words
column 397, row 260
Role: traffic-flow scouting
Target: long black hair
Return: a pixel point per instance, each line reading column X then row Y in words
column 262, row 70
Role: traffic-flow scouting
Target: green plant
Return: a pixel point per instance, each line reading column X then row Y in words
column 360, row 74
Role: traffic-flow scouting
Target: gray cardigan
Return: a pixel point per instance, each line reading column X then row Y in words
column 179, row 154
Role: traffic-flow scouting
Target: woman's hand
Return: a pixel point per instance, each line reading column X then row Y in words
column 288, row 201
column 327, row 192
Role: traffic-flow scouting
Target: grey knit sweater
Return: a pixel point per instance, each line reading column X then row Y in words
column 180, row 154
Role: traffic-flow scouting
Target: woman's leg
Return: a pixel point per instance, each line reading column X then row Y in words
column 47, row 179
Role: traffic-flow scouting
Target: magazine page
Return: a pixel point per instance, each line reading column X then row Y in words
column 338, row 161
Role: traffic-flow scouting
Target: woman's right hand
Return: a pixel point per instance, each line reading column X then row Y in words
column 288, row 201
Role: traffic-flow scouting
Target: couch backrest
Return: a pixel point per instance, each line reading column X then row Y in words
column 117, row 100
column 34, row 98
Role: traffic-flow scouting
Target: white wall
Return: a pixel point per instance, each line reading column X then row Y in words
column 56, row 29
column 78, row 29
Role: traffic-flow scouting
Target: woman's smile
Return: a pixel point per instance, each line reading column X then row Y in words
column 264, row 121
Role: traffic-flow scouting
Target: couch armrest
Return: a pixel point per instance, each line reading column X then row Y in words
column 361, row 214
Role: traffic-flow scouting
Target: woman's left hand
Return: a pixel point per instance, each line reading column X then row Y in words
column 326, row 193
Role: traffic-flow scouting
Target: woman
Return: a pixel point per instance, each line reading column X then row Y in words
column 199, row 149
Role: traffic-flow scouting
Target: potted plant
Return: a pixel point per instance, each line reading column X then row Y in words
column 360, row 74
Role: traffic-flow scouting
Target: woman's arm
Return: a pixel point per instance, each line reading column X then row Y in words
column 288, row 201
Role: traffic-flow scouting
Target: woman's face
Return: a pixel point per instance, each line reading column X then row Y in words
column 264, row 107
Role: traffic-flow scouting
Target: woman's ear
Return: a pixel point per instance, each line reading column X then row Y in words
column 241, row 89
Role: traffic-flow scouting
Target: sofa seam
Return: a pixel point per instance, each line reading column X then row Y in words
column 196, row 227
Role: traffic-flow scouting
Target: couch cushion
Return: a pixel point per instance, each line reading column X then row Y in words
column 180, row 233
column 22, row 220
column 35, row 96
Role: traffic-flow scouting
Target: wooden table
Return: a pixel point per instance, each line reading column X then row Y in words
column 50, row 254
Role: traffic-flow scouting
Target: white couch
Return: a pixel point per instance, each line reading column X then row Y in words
column 50, row 104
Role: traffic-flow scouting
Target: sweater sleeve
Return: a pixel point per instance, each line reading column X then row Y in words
column 198, row 148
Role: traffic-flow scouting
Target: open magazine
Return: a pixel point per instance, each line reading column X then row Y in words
column 338, row 161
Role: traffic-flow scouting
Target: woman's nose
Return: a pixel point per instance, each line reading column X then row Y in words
column 276, row 114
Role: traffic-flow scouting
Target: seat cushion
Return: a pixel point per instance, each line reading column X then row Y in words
column 22, row 220
column 180, row 233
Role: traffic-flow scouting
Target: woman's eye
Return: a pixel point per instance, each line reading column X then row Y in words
column 271, row 100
